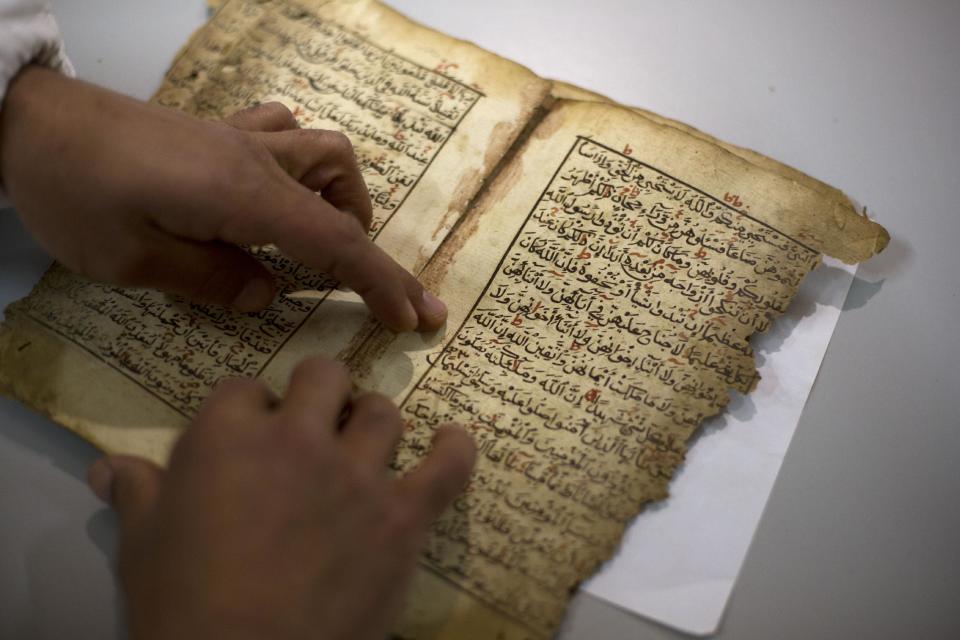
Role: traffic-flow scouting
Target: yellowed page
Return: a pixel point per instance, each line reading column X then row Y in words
column 601, row 294
column 834, row 199
column 429, row 116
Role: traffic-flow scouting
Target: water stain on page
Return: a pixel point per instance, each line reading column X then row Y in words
column 436, row 270
column 470, row 183
column 366, row 346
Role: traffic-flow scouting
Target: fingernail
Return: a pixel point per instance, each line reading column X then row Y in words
column 433, row 305
column 100, row 479
column 256, row 294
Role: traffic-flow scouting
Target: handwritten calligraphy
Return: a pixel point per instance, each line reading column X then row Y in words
column 616, row 322
column 398, row 114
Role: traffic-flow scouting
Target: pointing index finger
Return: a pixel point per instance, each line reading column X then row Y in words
column 324, row 161
column 310, row 230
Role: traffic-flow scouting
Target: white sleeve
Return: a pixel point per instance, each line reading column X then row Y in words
column 28, row 34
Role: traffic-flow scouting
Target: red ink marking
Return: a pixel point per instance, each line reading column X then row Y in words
column 733, row 199
column 627, row 149
column 443, row 67
column 592, row 396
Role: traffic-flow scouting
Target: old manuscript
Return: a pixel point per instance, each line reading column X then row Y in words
column 604, row 270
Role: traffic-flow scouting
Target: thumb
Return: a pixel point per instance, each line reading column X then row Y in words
column 206, row 272
column 129, row 484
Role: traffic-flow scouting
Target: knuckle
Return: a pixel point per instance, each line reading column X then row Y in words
column 279, row 112
column 300, row 438
column 383, row 411
column 405, row 526
column 241, row 160
column 243, row 147
column 359, row 484
column 347, row 234
column 223, row 398
column 334, row 148
column 221, row 402
column 367, row 482
column 337, row 143
column 348, row 247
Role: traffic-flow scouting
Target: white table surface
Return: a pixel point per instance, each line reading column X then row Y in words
column 861, row 537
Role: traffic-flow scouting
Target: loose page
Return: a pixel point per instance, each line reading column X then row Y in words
column 834, row 200
column 601, row 296
column 430, row 116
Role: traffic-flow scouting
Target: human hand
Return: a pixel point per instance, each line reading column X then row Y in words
column 275, row 521
column 137, row 195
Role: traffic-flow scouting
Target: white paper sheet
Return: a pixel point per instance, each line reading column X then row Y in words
column 680, row 558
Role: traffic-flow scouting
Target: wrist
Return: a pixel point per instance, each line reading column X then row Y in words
column 23, row 100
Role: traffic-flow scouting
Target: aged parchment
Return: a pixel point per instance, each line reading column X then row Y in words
column 429, row 116
column 602, row 286
column 868, row 239
column 601, row 296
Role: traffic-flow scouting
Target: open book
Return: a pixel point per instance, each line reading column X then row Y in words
column 603, row 268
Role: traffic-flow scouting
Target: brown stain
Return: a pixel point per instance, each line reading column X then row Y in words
column 551, row 120
column 504, row 176
column 354, row 348
column 498, row 143
column 365, row 348
column 438, row 265
column 469, row 183
column 504, row 180
column 423, row 257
